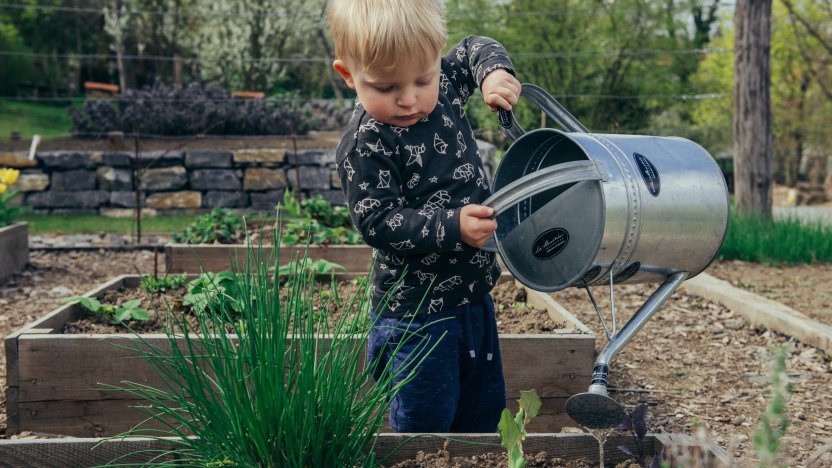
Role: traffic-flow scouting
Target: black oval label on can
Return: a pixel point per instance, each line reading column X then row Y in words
column 627, row 273
column 550, row 243
column 649, row 174
column 591, row 274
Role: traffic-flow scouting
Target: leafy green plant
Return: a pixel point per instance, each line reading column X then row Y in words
column 8, row 213
column 291, row 205
column 636, row 424
column 513, row 429
column 277, row 389
column 300, row 231
column 213, row 289
column 126, row 312
column 773, row 423
column 326, row 213
column 316, row 221
column 220, row 226
column 154, row 284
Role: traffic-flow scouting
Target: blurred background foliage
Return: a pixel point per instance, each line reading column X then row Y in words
column 661, row 67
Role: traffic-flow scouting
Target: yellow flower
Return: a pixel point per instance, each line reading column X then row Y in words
column 2, row 187
column 8, row 177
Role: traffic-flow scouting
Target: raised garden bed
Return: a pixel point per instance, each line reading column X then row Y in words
column 572, row 449
column 14, row 249
column 55, row 380
column 193, row 258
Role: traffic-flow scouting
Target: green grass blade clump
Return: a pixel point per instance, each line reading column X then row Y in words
column 262, row 381
column 755, row 238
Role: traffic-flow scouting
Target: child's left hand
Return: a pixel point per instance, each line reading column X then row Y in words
column 500, row 89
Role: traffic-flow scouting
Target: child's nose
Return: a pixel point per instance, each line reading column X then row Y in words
column 407, row 98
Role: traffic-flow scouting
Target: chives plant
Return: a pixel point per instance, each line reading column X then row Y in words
column 260, row 382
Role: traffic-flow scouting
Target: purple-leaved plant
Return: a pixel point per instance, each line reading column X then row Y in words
column 636, row 424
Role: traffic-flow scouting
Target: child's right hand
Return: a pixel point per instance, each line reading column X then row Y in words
column 476, row 224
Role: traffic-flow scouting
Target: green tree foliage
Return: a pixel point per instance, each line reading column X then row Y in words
column 799, row 104
column 237, row 46
column 16, row 69
column 56, row 38
column 617, row 66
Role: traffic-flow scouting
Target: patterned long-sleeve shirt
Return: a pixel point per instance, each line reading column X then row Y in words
column 405, row 187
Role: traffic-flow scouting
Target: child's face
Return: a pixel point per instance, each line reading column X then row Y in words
column 401, row 97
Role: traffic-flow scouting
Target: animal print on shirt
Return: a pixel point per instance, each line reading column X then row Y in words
column 404, row 187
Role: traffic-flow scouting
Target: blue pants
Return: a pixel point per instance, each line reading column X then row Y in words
column 459, row 387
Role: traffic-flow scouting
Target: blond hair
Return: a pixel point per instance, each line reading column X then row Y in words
column 380, row 35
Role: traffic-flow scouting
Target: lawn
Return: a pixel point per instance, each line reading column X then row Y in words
column 92, row 224
column 29, row 119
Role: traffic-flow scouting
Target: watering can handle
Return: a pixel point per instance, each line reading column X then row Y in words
column 544, row 179
column 550, row 106
column 540, row 181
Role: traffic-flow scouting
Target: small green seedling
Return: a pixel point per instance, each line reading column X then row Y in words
column 513, row 430
column 154, row 284
column 774, row 421
column 128, row 311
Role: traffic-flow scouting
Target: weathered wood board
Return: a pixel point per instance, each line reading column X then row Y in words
column 14, row 249
column 184, row 258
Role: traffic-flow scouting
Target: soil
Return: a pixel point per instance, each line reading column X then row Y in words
column 444, row 459
column 514, row 315
column 696, row 363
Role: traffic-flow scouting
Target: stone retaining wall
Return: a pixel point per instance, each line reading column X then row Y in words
column 176, row 181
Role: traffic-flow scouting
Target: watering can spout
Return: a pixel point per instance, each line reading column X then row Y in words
column 594, row 408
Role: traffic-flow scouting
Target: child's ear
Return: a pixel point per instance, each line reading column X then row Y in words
column 340, row 66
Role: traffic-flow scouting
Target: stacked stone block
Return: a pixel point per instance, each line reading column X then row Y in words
column 177, row 181
column 172, row 181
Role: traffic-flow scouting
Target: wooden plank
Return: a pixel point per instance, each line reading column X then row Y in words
column 554, row 365
column 77, row 453
column 99, row 418
column 389, row 448
column 12, row 411
column 182, row 258
column 761, row 311
column 57, row 367
column 14, row 249
column 76, row 367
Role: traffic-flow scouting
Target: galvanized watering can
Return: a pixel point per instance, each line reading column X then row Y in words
column 577, row 209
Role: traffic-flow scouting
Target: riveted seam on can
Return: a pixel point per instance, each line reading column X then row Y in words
column 633, row 196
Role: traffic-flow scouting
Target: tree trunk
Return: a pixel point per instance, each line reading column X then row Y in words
column 752, row 107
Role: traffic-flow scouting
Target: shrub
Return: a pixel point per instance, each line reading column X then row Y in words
column 164, row 109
